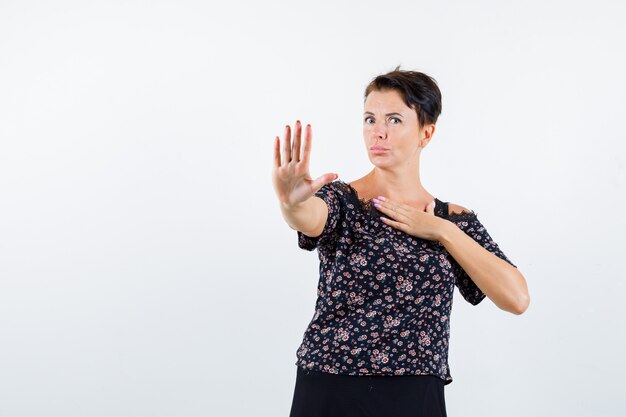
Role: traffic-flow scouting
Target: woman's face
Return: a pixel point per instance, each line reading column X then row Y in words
column 389, row 124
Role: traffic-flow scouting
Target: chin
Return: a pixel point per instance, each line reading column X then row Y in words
column 378, row 162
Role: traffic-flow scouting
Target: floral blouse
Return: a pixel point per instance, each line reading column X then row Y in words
column 384, row 297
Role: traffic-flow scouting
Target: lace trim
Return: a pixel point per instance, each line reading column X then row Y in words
column 441, row 208
column 366, row 205
column 463, row 215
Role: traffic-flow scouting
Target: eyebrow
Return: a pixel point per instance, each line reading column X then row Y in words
column 388, row 114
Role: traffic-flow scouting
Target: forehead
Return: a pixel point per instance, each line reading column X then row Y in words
column 385, row 101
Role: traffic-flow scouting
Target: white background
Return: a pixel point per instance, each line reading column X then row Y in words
column 145, row 269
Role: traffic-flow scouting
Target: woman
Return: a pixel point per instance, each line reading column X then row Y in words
column 390, row 255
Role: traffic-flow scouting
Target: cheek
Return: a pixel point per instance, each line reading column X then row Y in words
column 405, row 138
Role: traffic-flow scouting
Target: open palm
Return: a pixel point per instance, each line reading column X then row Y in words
column 290, row 175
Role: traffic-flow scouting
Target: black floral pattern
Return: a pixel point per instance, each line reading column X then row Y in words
column 384, row 297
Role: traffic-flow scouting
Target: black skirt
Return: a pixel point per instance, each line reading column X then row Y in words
column 322, row 394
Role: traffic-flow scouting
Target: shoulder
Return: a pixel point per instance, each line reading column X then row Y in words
column 337, row 188
column 457, row 209
column 332, row 193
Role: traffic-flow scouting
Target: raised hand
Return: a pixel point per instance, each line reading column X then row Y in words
column 290, row 174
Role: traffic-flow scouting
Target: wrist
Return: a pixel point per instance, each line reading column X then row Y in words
column 447, row 231
column 291, row 207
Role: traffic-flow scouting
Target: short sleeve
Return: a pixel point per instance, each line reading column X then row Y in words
column 469, row 223
column 331, row 197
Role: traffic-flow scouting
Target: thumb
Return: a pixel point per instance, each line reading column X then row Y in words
column 322, row 180
column 430, row 208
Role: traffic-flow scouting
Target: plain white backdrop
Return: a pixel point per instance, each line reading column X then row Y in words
column 145, row 269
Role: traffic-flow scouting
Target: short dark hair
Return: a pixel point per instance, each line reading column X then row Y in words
column 418, row 90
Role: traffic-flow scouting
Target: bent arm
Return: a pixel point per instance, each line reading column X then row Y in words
column 308, row 217
column 500, row 281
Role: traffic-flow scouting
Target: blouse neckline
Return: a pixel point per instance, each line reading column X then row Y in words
column 367, row 204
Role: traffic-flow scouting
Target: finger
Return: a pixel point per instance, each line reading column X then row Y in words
column 306, row 150
column 430, row 208
column 395, row 224
column 295, row 151
column 287, row 146
column 390, row 209
column 277, row 152
column 324, row 179
column 396, row 207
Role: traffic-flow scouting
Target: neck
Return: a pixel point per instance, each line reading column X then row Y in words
column 404, row 187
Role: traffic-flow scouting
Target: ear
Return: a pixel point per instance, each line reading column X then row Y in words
column 429, row 131
column 426, row 134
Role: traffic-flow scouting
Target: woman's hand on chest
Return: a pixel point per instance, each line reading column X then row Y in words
column 411, row 220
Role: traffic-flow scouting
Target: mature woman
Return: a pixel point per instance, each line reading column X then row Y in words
column 390, row 255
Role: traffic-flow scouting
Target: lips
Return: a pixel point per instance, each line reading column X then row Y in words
column 378, row 148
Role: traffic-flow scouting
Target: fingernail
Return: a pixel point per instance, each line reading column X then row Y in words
column 381, row 198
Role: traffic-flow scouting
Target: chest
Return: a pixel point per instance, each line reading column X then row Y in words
column 367, row 246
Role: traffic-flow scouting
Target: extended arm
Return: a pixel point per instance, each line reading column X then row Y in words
column 308, row 217
column 303, row 211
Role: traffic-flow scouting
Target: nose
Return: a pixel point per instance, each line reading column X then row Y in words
column 379, row 131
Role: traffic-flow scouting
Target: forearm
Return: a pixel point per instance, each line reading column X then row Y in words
column 499, row 280
column 302, row 216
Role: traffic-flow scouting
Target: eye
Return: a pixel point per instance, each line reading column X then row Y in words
column 367, row 118
column 395, row 118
